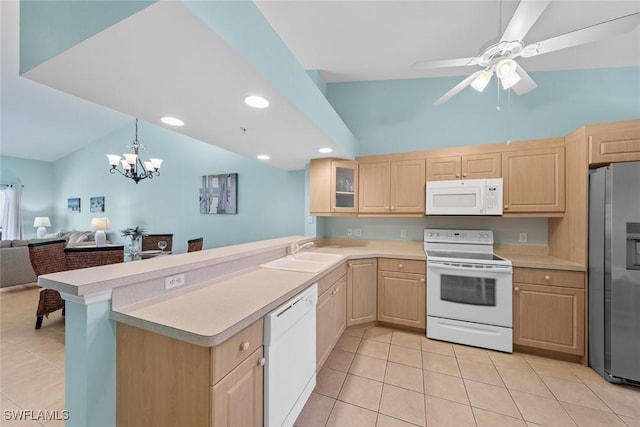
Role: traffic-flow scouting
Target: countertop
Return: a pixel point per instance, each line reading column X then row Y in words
column 212, row 311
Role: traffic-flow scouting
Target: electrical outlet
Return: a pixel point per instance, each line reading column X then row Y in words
column 309, row 219
column 349, row 232
column 522, row 238
column 171, row 282
column 357, row 232
column 403, row 234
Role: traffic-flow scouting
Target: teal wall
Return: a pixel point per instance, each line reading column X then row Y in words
column 399, row 115
column 38, row 192
column 270, row 201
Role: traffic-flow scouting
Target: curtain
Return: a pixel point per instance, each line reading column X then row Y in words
column 12, row 218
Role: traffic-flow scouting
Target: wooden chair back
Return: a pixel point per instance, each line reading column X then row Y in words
column 194, row 245
column 150, row 242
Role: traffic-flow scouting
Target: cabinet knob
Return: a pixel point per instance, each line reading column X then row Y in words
column 350, row 264
column 421, row 280
column 464, row 175
column 335, row 291
column 244, row 345
column 261, row 361
column 400, row 266
column 393, row 208
column 506, row 207
column 547, row 277
column 333, row 208
column 517, row 289
column 386, row 208
column 457, row 175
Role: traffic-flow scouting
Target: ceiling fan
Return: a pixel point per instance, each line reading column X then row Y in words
column 499, row 58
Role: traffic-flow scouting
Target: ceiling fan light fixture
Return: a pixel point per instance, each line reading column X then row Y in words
column 510, row 80
column 481, row 82
column 505, row 68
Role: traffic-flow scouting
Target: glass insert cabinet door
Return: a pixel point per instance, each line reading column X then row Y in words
column 344, row 187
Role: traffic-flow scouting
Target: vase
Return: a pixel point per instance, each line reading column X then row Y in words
column 135, row 247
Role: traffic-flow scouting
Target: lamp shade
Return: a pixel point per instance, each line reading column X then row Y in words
column 100, row 224
column 42, row 221
column 481, row 82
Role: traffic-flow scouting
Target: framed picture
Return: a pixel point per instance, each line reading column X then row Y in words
column 73, row 205
column 96, row 204
column 219, row 194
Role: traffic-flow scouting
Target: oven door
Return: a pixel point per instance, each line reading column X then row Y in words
column 470, row 292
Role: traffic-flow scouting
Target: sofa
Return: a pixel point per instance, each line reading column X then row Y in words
column 15, row 266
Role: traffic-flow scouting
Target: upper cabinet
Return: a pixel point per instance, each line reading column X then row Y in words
column 614, row 142
column 472, row 166
column 534, row 180
column 333, row 188
column 392, row 187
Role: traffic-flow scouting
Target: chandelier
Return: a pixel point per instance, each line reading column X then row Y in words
column 132, row 166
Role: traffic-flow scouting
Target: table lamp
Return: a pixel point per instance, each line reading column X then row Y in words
column 99, row 225
column 41, row 222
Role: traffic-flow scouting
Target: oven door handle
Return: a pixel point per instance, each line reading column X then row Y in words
column 458, row 267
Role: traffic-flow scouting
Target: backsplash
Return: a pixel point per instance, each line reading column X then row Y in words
column 506, row 231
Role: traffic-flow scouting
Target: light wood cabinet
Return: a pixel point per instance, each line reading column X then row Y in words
column 238, row 398
column 402, row 292
column 534, row 180
column 549, row 310
column 162, row 381
column 333, row 187
column 331, row 313
column 472, row 166
column 392, row 187
column 614, row 142
column 362, row 291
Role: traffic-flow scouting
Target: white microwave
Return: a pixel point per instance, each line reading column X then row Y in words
column 464, row 197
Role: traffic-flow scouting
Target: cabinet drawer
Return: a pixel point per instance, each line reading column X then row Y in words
column 401, row 265
column 331, row 278
column 229, row 354
column 569, row 279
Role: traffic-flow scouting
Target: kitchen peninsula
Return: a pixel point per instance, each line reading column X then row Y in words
column 224, row 293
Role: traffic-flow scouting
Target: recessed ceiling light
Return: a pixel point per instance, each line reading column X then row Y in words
column 263, row 157
column 256, row 101
column 172, row 121
column 325, row 150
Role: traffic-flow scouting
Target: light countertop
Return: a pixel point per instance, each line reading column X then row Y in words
column 208, row 313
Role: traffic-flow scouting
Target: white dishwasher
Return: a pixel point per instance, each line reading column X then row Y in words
column 290, row 353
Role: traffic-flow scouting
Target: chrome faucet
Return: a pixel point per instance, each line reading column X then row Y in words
column 297, row 247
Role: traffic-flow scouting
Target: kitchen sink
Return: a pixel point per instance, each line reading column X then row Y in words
column 305, row 261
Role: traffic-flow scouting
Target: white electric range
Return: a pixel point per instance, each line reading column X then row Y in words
column 469, row 296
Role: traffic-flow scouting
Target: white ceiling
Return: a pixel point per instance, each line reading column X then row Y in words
column 346, row 40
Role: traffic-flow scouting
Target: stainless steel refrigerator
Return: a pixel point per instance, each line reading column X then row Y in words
column 614, row 272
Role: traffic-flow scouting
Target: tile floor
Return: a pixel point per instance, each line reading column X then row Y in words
column 383, row 377
column 374, row 377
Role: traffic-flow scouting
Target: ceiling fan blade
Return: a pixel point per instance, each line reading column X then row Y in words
column 524, row 17
column 526, row 83
column 585, row 35
column 457, row 88
column 442, row 63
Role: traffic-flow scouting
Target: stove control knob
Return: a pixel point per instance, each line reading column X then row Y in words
column 435, row 234
column 429, row 234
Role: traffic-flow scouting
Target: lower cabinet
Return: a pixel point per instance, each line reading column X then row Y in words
column 362, row 292
column 162, row 381
column 549, row 310
column 331, row 312
column 402, row 292
column 237, row 399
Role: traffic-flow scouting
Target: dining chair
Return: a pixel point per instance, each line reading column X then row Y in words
column 93, row 256
column 48, row 257
column 53, row 257
column 150, row 242
column 194, row 245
